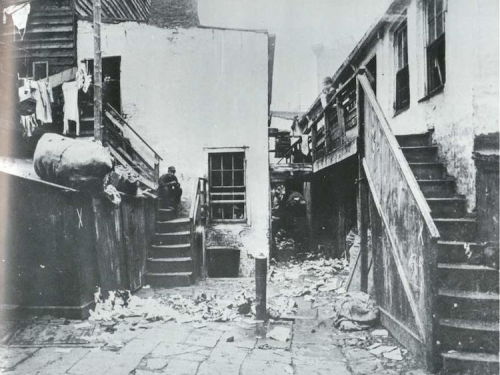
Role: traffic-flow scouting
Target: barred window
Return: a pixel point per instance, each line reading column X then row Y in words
column 227, row 186
column 436, row 67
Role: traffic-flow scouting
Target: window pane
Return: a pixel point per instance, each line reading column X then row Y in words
column 238, row 178
column 217, row 211
column 216, row 162
column 238, row 161
column 227, row 163
column 439, row 6
column 227, row 178
column 216, row 179
column 439, row 25
column 239, row 211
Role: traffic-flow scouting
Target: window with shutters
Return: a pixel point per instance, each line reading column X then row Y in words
column 402, row 100
column 227, row 186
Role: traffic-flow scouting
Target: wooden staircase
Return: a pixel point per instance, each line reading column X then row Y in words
column 169, row 262
column 468, row 294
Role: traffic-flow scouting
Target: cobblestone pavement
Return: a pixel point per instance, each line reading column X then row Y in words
column 58, row 346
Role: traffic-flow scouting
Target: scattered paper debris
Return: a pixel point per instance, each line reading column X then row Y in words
column 280, row 333
column 380, row 332
column 394, row 355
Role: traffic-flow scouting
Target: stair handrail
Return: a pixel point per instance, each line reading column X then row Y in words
column 196, row 219
column 406, row 224
column 398, row 154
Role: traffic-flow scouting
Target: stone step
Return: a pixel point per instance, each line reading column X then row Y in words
column 453, row 207
column 172, row 238
column 428, row 171
column 455, row 251
column 468, row 335
column 169, row 279
column 457, row 304
column 470, row 363
column 468, row 277
column 412, row 140
column 165, row 214
column 437, row 187
column 420, row 153
column 169, row 265
column 170, row 251
column 175, row 225
column 456, row 229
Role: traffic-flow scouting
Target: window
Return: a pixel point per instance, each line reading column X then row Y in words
column 436, row 69
column 40, row 70
column 227, row 186
column 402, row 70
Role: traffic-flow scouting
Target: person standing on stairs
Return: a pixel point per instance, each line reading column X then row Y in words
column 169, row 189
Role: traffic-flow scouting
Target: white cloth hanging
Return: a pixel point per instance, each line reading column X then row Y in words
column 29, row 124
column 19, row 14
column 83, row 78
column 70, row 92
column 43, row 97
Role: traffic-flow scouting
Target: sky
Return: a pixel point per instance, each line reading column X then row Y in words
column 298, row 25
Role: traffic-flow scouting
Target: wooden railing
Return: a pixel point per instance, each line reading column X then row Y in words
column 339, row 117
column 289, row 156
column 130, row 149
column 403, row 235
column 198, row 218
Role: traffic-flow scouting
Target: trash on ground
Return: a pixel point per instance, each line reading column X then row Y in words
column 380, row 332
column 394, row 355
column 355, row 311
column 279, row 333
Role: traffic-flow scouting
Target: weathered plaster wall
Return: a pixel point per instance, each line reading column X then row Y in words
column 186, row 90
column 468, row 105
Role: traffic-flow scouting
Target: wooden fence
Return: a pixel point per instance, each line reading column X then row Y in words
column 403, row 234
column 57, row 245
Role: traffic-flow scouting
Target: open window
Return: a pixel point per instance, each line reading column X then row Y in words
column 402, row 99
column 227, row 186
column 436, row 66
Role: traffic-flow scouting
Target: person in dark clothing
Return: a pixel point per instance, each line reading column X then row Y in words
column 169, row 189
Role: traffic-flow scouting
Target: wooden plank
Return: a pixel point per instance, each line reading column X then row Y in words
column 398, row 155
column 395, row 251
column 121, row 160
column 336, row 156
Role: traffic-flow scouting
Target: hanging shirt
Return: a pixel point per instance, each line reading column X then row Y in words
column 19, row 14
column 43, row 99
column 29, row 124
column 83, row 78
column 70, row 92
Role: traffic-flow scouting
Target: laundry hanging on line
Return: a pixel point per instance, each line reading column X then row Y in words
column 19, row 14
column 71, row 112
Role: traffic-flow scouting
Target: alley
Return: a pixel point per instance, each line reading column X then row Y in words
column 210, row 329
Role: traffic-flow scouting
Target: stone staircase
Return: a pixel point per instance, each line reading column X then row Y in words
column 169, row 262
column 468, row 294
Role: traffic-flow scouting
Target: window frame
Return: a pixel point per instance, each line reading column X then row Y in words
column 401, row 63
column 34, row 64
column 435, row 45
column 235, row 189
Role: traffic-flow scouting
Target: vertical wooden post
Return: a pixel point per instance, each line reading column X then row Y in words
column 363, row 226
column 260, row 288
column 341, row 120
column 97, row 72
column 314, row 141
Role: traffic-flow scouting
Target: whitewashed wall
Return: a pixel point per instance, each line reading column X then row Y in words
column 188, row 89
column 468, row 105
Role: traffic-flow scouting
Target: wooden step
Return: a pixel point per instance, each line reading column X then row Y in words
column 172, row 238
column 455, row 251
column 169, row 279
column 457, row 304
column 169, row 265
column 428, row 171
column 165, row 214
column 437, row 187
column 420, row 153
column 412, row 140
column 453, row 207
column 457, row 362
column 170, row 251
column 468, row 335
column 468, row 277
column 456, row 229
column 175, row 225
